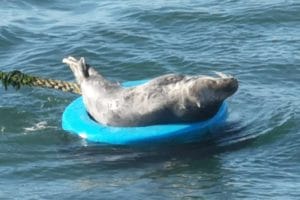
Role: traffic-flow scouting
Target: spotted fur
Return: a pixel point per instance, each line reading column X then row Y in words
column 170, row 98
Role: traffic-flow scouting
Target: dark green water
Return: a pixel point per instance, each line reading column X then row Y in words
column 258, row 154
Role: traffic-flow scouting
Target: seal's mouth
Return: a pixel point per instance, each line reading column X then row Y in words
column 231, row 85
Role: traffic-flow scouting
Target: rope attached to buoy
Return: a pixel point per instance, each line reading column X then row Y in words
column 17, row 79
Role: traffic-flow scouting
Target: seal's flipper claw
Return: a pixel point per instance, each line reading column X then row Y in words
column 82, row 60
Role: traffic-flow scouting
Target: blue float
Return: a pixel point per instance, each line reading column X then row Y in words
column 76, row 120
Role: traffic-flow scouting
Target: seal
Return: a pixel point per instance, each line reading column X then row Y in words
column 170, row 98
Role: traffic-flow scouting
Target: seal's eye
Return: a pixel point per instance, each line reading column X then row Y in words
column 212, row 84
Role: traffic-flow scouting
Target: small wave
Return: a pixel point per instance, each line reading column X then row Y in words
column 9, row 37
column 38, row 126
column 264, row 124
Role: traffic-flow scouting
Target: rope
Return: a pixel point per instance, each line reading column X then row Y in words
column 17, row 79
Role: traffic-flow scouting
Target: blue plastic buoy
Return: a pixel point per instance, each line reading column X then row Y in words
column 76, row 120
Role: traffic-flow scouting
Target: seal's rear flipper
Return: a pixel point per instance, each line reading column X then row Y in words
column 79, row 68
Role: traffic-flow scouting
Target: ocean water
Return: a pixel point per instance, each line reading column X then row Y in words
column 257, row 156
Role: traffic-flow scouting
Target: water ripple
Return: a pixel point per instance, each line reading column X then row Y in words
column 256, row 151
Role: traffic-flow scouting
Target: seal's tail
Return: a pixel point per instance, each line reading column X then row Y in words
column 79, row 68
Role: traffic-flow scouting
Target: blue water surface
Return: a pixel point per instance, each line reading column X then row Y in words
column 256, row 155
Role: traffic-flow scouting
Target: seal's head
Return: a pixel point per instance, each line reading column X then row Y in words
column 214, row 90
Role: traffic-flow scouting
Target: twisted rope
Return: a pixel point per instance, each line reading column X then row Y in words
column 17, row 79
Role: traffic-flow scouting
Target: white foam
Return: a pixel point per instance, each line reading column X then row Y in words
column 38, row 126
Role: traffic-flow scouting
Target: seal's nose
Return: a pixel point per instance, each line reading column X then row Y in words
column 230, row 85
